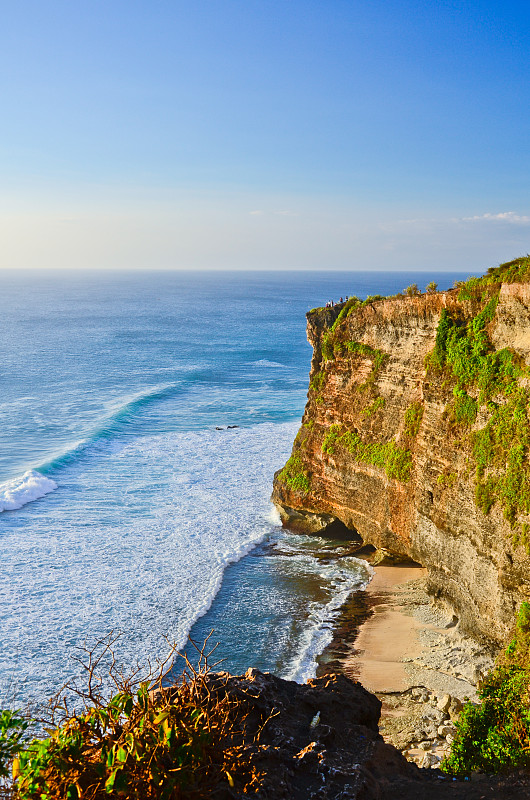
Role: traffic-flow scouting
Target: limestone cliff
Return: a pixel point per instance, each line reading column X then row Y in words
column 416, row 435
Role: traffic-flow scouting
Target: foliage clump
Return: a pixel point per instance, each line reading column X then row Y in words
column 413, row 418
column 350, row 305
column 483, row 378
column 332, row 344
column 378, row 357
column 395, row 460
column 294, row 475
column 501, row 454
column 374, row 407
column 327, row 346
column 317, row 381
column 145, row 741
column 13, row 729
column 495, row 735
column 330, row 439
column 465, row 408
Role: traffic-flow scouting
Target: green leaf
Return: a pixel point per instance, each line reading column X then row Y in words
column 121, row 755
column 72, row 793
column 111, row 780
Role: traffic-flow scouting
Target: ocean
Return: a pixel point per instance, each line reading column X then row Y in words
column 142, row 417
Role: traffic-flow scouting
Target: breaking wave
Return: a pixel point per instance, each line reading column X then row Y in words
column 30, row 486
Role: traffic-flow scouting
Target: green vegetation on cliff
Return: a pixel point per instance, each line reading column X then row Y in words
column 395, row 460
column 294, row 475
column 413, row 418
column 516, row 271
column 487, row 400
column 495, row 735
column 377, row 405
column 489, row 381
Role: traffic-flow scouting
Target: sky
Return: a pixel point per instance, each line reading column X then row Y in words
column 264, row 134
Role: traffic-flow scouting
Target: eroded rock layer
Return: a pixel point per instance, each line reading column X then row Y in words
column 415, row 436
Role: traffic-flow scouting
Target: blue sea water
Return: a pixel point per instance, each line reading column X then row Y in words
column 127, row 504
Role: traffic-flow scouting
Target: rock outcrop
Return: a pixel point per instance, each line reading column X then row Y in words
column 315, row 740
column 319, row 741
column 415, row 437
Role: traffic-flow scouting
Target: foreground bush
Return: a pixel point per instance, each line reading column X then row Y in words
column 495, row 736
column 144, row 742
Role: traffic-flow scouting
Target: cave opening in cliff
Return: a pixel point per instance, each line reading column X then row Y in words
column 338, row 530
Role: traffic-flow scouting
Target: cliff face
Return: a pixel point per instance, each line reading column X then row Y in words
column 415, row 435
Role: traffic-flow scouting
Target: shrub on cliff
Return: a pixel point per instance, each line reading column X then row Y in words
column 294, row 476
column 495, row 735
column 146, row 741
column 12, row 731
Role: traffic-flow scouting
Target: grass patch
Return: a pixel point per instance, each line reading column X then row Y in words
column 465, row 359
column 465, row 408
column 372, row 298
column 317, row 381
column 413, row 418
column 376, row 406
column 350, row 305
column 516, row 271
column 395, row 460
column 327, row 346
column 294, row 476
column 330, row 439
column 446, row 479
column 501, row 454
column 378, row 357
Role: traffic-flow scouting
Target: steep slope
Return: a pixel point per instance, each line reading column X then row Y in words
column 416, row 435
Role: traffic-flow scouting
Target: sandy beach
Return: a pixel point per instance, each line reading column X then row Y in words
column 389, row 637
column 412, row 655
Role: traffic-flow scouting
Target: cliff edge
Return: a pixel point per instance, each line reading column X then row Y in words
column 416, row 436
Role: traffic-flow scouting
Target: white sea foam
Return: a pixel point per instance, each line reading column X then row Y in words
column 274, row 516
column 264, row 362
column 344, row 576
column 139, row 544
column 14, row 494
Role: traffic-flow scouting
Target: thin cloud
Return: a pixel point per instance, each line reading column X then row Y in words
column 504, row 216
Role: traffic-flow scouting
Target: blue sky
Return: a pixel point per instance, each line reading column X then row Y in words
column 274, row 134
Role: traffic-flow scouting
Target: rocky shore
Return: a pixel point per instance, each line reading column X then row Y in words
column 409, row 652
column 320, row 741
column 412, row 655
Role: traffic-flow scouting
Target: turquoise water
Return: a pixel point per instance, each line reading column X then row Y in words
column 123, row 507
